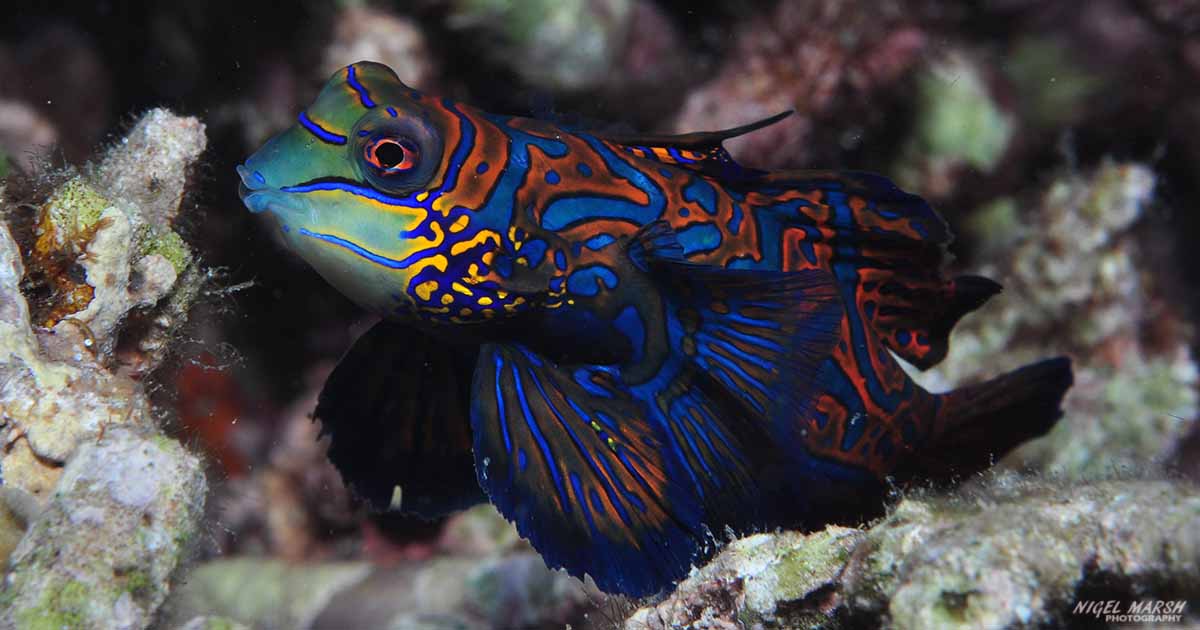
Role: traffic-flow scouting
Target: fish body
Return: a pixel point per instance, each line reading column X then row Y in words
column 625, row 343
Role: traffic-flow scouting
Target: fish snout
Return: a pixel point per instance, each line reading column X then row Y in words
column 253, row 189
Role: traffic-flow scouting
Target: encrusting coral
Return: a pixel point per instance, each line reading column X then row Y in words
column 110, row 504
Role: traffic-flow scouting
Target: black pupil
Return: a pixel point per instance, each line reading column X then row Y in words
column 389, row 154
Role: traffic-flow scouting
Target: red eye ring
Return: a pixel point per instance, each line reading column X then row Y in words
column 392, row 155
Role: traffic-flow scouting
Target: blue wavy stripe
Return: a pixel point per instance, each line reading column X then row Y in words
column 317, row 130
column 363, row 96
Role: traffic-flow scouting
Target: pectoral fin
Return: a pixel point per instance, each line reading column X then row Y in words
column 762, row 334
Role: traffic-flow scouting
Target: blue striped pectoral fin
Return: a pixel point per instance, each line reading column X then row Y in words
column 572, row 458
column 729, row 462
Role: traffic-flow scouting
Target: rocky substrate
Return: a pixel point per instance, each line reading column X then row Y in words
column 1006, row 553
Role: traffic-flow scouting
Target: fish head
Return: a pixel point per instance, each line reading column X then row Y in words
column 347, row 186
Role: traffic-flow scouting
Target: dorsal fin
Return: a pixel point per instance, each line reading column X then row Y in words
column 697, row 140
column 699, row 151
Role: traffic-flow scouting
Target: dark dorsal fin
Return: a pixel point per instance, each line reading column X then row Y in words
column 699, row 151
column 697, row 140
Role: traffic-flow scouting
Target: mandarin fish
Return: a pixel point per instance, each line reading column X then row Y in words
column 631, row 345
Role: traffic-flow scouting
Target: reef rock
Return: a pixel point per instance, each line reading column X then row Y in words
column 103, row 506
column 102, row 550
column 1009, row 553
column 107, row 276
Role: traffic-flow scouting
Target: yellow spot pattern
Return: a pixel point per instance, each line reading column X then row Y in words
column 482, row 237
column 425, row 289
column 438, row 262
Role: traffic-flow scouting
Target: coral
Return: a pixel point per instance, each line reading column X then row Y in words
column 146, row 172
column 104, row 506
column 1012, row 552
column 94, row 275
column 105, row 245
column 1076, row 282
column 36, row 390
column 101, row 552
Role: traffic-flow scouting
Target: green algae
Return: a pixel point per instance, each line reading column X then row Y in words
column 166, row 243
column 73, row 209
column 63, row 606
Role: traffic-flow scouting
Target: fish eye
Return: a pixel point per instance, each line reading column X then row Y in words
column 392, row 155
column 396, row 155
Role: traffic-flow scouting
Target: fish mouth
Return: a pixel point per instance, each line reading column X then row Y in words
column 257, row 195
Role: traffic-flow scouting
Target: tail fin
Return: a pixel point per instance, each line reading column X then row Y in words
column 981, row 423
